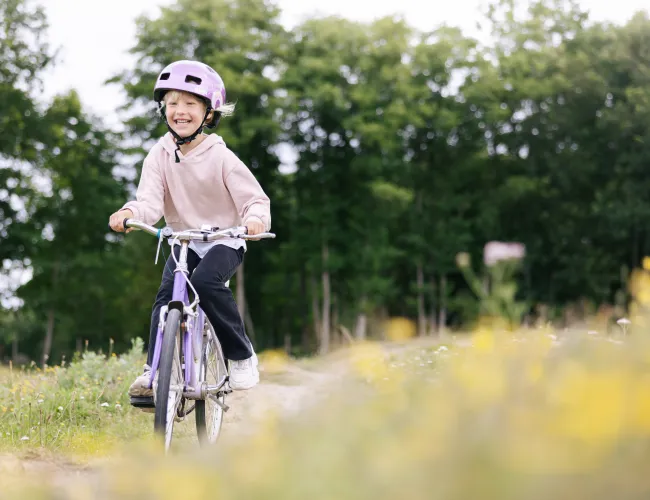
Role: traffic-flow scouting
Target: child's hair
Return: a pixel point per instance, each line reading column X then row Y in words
column 226, row 109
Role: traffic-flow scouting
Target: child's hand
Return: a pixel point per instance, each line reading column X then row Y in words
column 254, row 227
column 117, row 220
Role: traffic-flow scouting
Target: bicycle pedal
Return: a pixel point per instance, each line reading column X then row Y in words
column 223, row 406
column 142, row 401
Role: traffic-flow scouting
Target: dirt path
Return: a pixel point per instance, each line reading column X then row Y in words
column 283, row 393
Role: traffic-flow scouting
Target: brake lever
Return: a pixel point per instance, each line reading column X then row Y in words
column 160, row 238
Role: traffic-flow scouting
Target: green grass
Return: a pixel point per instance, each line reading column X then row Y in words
column 80, row 409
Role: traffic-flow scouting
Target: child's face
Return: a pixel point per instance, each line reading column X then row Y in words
column 184, row 112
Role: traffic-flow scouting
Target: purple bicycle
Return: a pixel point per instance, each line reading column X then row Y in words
column 188, row 364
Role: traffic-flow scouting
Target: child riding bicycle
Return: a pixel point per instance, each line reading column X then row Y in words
column 193, row 180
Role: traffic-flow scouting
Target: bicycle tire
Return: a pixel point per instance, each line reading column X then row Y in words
column 169, row 351
column 209, row 435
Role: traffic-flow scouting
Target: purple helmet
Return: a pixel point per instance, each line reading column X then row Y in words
column 194, row 77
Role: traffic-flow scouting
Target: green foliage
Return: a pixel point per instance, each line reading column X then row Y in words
column 410, row 148
column 24, row 54
column 496, row 290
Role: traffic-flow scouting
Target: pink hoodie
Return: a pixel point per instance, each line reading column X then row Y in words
column 209, row 186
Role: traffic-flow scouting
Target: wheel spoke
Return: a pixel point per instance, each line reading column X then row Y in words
column 174, row 398
column 210, row 416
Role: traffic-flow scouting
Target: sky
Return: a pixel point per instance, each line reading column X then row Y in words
column 94, row 37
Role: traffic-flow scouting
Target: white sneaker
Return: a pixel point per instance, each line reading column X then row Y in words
column 244, row 374
column 140, row 387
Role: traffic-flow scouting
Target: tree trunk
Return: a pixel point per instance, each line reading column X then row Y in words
column 244, row 313
column 334, row 327
column 14, row 350
column 49, row 332
column 305, row 333
column 361, row 326
column 241, row 292
column 442, row 318
column 422, row 315
column 635, row 245
column 49, row 335
column 433, row 324
column 362, row 319
column 248, row 323
column 327, row 304
column 345, row 334
column 315, row 307
column 382, row 318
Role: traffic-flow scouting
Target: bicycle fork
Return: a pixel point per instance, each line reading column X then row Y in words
column 192, row 345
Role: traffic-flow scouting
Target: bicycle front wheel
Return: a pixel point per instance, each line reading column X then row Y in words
column 209, row 414
column 169, row 387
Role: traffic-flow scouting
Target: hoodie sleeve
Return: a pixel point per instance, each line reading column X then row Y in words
column 149, row 198
column 249, row 197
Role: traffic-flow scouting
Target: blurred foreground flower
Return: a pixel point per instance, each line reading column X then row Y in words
column 509, row 417
column 639, row 287
column 399, row 329
column 497, row 251
column 646, row 263
column 273, row 361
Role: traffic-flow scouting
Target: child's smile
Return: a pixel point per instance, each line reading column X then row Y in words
column 184, row 113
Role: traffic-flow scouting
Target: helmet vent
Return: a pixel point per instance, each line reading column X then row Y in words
column 192, row 79
column 164, row 76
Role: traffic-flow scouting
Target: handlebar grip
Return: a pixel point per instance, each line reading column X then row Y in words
column 124, row 223
column 257, row 236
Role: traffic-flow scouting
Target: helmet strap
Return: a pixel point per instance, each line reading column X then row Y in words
column 183, row 140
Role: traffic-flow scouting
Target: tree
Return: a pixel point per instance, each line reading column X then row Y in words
column 72, row 258
column 24, row 55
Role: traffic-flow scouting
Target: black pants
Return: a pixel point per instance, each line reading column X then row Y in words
column 208, row 276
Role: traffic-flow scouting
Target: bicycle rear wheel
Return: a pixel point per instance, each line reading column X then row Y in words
column 168, row 389
column 209, row 414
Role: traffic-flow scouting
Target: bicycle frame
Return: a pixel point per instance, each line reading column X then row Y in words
column 191, row 335
column 192, row 316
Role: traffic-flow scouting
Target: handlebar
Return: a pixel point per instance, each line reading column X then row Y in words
column 196, row 234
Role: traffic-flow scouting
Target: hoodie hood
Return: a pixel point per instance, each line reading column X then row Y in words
column 167, row 142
